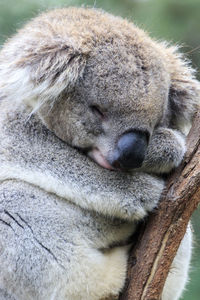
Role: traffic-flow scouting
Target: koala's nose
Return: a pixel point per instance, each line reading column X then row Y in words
column 130, row 150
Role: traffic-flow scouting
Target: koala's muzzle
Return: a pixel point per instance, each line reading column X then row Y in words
column 130, row 150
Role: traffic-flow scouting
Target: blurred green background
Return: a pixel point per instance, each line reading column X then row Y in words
column 177, row 21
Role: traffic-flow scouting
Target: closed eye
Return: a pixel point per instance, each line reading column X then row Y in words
column 96, row 110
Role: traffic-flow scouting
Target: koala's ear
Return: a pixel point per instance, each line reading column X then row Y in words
column 37, row 75
column 184, row 93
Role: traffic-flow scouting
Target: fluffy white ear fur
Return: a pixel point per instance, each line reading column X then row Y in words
column 184, row 93
column 43, row 76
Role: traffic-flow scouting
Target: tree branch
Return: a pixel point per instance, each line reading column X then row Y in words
column 160, row 237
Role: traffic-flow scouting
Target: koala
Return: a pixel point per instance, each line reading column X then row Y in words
column 94, row 114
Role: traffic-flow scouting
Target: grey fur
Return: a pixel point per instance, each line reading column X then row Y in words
column 62, row 215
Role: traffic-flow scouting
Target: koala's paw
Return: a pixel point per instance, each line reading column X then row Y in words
column 165, row 151
column 142, row 197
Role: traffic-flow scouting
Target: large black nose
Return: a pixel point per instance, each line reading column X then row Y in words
column 130, row 150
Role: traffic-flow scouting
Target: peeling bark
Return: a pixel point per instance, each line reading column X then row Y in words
column 159, row 239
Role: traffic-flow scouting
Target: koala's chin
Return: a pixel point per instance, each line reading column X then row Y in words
column 99, row 158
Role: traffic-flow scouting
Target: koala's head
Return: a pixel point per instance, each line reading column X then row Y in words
column 99, row 83
column 113, row 108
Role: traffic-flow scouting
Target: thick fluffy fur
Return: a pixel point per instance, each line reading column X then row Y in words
column 66, row 221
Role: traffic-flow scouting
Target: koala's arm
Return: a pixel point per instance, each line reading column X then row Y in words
column 165, row 151
column 130, row 198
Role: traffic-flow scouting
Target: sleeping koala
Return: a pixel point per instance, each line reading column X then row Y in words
column 93, row 114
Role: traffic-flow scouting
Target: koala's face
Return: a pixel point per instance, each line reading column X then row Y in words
column 99, row 83
column 114, row 107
